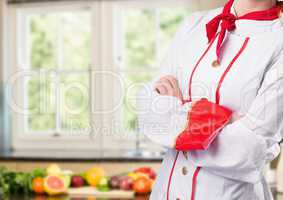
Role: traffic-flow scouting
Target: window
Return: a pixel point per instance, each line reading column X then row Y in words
column 58, row 54
column 142, row 50
column 53, row 83
column 75, row 64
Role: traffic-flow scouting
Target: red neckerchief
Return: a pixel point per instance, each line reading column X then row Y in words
column 228, row 20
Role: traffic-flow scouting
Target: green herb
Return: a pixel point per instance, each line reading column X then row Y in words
column 18, row 182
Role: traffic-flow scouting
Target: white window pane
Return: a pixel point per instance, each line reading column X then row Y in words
column 74, row 102
column 61, row 39
column 134, row 81
column 77, row 40
column 41, row 103
column 140, row 37
column 169, row 22
column 43, row 37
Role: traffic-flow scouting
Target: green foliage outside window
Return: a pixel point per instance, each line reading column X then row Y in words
column 59, row 41
column 143, row 39
column 142, row 42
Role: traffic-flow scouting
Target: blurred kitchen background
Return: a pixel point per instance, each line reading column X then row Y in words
column 69, row 72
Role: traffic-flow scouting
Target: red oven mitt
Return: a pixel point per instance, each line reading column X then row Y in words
column 205, row 120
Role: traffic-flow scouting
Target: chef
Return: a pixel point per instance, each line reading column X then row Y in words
column 232, row 56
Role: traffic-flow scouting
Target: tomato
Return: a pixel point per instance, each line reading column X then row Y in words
column 142, row 185
column 38, row 185
column 146, row 170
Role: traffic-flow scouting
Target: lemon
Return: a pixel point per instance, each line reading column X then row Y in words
column 93, row 175
column 53, row 169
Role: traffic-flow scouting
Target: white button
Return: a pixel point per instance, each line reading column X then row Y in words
column 215, row 64
column 184, row 171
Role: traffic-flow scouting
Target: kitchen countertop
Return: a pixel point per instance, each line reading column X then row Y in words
column 66, row 198
column 277, row 197
column 82, row 156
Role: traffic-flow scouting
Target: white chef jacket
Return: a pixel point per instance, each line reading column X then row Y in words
column 232, row 167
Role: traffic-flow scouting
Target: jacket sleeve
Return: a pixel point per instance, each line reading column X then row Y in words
column 162, row 118
column 244, row 147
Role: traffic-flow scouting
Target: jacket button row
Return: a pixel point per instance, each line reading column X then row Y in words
column 185, row 153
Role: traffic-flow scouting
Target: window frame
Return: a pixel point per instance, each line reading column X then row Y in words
column 47, row 139
column 105, row 50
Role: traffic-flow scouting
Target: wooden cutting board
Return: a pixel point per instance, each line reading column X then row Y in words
column 91, row 191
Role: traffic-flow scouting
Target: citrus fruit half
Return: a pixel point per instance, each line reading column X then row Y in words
column 54, row 184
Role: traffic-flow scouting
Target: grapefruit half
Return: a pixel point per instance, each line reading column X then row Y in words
column 54, row 185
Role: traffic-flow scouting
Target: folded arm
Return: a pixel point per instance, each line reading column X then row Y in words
column 244, row 147
column 161, row 114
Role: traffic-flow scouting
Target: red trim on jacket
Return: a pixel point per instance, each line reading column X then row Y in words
column 195, row 67
column 217, row 95
column 217, row 99
column 194, row 182
column 171, row 174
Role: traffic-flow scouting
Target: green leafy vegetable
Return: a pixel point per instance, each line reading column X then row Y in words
column 18, row 182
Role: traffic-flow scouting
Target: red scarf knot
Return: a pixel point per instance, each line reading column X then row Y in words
column 228, row 22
